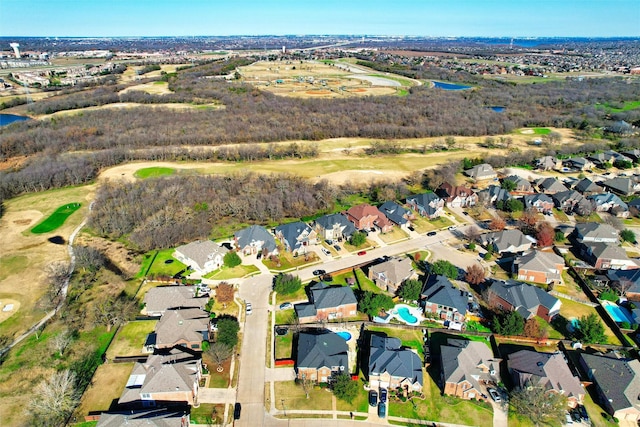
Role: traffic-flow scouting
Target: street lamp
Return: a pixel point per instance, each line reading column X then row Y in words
column 283, row 408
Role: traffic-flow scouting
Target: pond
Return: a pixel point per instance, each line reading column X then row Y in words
column 7, row 119
column 498, row 109
column 449, row 86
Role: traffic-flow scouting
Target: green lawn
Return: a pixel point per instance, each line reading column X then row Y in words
column 154, row 263
column 560, row 215
column 56, row 219
column 284, row 345
column 595, row 411
column 423, row 225
column 207, row 413
column 359, row 404
column 286, row 261
column 536, row 131
column 292, row 396
column 154, row 172
column 368, row 244
column 237, row 272
column 394, row 235
column 626, row 106
column 594, row 217
column 570, row 309
column 300, row 294
column 130, row 338
column 410, row 337
column 285, row 317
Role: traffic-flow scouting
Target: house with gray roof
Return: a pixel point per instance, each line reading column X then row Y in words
column 162, row 298
column 203, row 256
column 391, row 366
column 168, row 378
column 481, row 172
column 617, row 382
column 630, row 280
column 327, row 303
column 296, row 237
column 389, row 275
column 540, row 201
column 334, row 227
column 595, row 232
column 522, row 185
column 426, row 204
column 441, row 299
column 396, row 213
column 547, row 163
column 467, row 368
column 550, row 185
column 605, row 256
column 254, row 239
column 494, row 194
column 527, row 300
column 539, row 267
column 569, row 200
column 321, row 355
column 578, row 163
column 549, row 371
column 511, row 241
column 457, row 196
column 633, row 154
column 609, row 202
column 587, row 187
column 163, row 417
column 624, row 186
column 187, row 327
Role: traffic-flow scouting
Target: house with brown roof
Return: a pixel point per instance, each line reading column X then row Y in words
column 467, row 368
column 547, row 370
column 162, row 298
column 457, row 195
column 187, row 327
column 327, row 303
column 481, row 172
column 539, row 267
column 366, row 217
column 389, row 275
column 203, row 256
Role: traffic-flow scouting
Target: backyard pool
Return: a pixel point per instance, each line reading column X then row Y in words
column 344, row 335
column 618, row 314
column 406, row 315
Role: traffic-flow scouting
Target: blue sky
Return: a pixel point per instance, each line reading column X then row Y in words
column 489, row 18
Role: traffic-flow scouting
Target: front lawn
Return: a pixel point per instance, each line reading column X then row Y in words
column 289, row 395
column 286, row 261
column 130, row 338
column 359, row 404
column 285, row 317
column 423, row 225
column 237, row 272
column 368, row 244
column 300, row 294
column 284, row 345
column 208, row 414
column 560, row 216
column 394, row 235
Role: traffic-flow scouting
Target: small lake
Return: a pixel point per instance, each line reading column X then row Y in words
column 449, row 86
column 7, row 119
column 498, row 109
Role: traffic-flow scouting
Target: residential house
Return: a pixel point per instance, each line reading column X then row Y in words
column 162, row 298
column 163, row 417
column 366, row 217
column 547, row 163
column 614, row 156
column 605, row 256
column 587, row 187
column 320, row 356
column 170, row 378
column 601, row 160
column 467, row 368
column 255, row 239
column 624, row 186
column 334, row 227
column 549, row 371
column 540, row 201
column 396, row 213
column 522, row 185
column 570, row 201
column 539, row 267
column 440, row 299
column 187, row 327
column 527, row 300
column 481, row 172
column 609, row 202
column 633, row 154
column 389, row 275
column 507, row 241
column 296, row 237
column 327, row 303
column 203, row 256
column 634, row 206
column 630, row 281
column 590, row 232
column 426, row 204
column 494, row 194
column 393, row 367
column 457, row 195
column 578, row 163
column 550, row 186
column 617, row 382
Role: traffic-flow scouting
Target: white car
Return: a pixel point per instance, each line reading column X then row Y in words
column 249, row 309
column 494, row 394
column 325, row 251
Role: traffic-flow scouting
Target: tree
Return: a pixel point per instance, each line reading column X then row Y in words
column 54, row 399
column 88, row 258
column 497, row 224
column 474, row 274
column 345, row 388
column 532, row 329
column 539, row 406
column 528, row 221
column 544, row 234
column 287, row 284
column 559, row 236
column 508, row 185
column 371, row 303
column 509, row 323
column 61, row 341
column 628, row 236
column 513, row 205
column 57, row 275
column 591, row 330
column 224, row 292
column 450, row 141
column 444, row 268
column 232, row 259
column 472, row 233
column 228, row 328
column 220, row 352
column 358, row 238
column 410, row 290
column 113, row 311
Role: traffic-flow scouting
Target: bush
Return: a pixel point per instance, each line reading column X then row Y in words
column 228, row 328
column 445, row 268
column 625, row 325
column 358, row 239
column 608, row 295
column 628, row 236
column 232, row 259
column 287, row 284
column 472, row 246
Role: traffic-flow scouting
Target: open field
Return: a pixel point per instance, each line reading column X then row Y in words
column 132, row 106
column 56, row 219
column 106, row 386
column 130, row 338
column 152, row 88
column 154, row 172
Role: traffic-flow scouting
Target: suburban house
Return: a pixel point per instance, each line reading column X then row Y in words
column 389, row 275
column 527, row 300
column 467, row 366
column 365, row 217
column 633, row 154
column 162, row 298
column 334, row 227
column 605, row 256
column 396, row 213
column 426, row 204
column 522, row 185
column 617, row 382
column 578, row 163
column 587, row 187
column 627, row 279
column 171, row 378
column 539, row 267
column 481, row 172
column 392, row 367
column 570, row 201
column 609, row 202
column 540, row 201
column 203, row 256
column 187, row 327
column 162, row 417
column 494, row 194
column 321, row 355
column 511, row 241
column 550, row 186
column 624, row 186
column 547, row 163
column 327, row 303
column 547, row 370
column 457, row 196
column 442, row 300
column 591, row 232
column 255, row 239
column 296, row 237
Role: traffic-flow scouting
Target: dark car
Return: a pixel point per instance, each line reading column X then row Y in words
column 382, row 410
column 431, row 233
column 319, row 272
column 575, row 415
column 465, row 213
column 411, row 228
column 373, row 398
column 383, row 395
column 336, row 247
column 583, row 412
column 236, row 411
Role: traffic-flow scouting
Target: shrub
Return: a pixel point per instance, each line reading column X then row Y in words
column 287, row 284
column 232, row 259
column 228, row 328
column 358, row 239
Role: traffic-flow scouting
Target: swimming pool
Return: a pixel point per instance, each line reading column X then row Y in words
column 406, row 315
column 618, row 314
column 344, row 335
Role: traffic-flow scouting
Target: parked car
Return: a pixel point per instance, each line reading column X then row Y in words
column 286, row 306
column 431, row 233
column 282, row 331
column 373, row 398
column 465, row 213
column 575, row 415
column 494, row 395
column 329, row 241
column 249, row 309
column 319, row 272
column 410, row 227
column 336, row 247
column 382, row 410
column 568, row 419
column 236, row 411
column 325, row 251
column 583, row 413
column 451, row 228
column 383, row 395
column 362, row 253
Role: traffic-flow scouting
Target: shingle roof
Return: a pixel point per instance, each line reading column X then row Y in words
column 360, row 211
column 424, row 200
column 255, row 233
column 619, row 379
column 585, row 185
column 201, row 251
column 328, row 222
column 162, row 298
column 521, row 183
column 497, row 193
column 461, row 360
column 608, row 198
column 507, row 240
column 596, row 231
column 395, row 269
column 561, row 197
column 631, row 276
column 394, row 212
column 606, row 250
column 305, row 309
column 541, row 261
column 547, row 370
column 190, row 324
column 324, row 296
column 531, row 199
column 523, row 297
column 620, row 185
column 152, row 418
column 322, row 349
column 386, row 356
column 481, row 171
column 551, row 185
column 292, row 231
column 439, row 290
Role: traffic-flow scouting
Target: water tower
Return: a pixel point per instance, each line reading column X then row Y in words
column 16, row 49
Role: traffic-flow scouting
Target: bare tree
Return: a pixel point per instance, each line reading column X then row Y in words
column 54, row 399
column 88, row 258
column 112, row 313
column 220, row 352
column 61, row 341
column 472, row 233
column 57, row 274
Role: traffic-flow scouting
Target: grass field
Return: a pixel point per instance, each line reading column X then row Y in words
column 292, row 396
column 106, row 386
column 534, row 131
column 394, row 235
column 154, row 172
column 154, row 263
column 283, row 345
column 624, row 106
column 56, row 219
column 359, row 404
column 232, row 273
column 571, row 309
column 130, row 338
